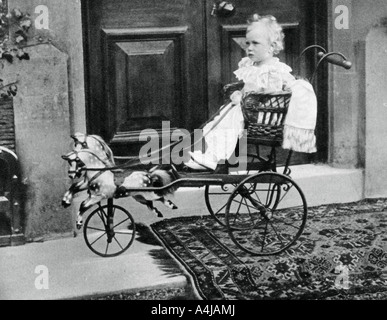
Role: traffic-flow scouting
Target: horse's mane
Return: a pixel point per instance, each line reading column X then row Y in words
column 105, row 148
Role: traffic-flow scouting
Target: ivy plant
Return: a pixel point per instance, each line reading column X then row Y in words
column 14, row 34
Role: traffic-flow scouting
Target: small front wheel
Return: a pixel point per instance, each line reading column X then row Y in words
column 266, row 214
column 109, row 230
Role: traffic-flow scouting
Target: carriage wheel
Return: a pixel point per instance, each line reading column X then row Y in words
column 216, row 201
column 216, row 197
column 266, row 214
column 109, row 237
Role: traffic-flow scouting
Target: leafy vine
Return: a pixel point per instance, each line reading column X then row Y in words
column 14, row 35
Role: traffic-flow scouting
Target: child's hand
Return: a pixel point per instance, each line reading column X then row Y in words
column 236, row 98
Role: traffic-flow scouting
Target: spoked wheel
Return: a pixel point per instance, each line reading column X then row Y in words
column 216, row 201
column 216, row 197
column 109, row 230
column 266, row 214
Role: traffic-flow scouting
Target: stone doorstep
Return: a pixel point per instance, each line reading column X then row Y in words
column 12, row 240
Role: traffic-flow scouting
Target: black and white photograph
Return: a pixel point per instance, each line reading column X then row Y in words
column 186, row 155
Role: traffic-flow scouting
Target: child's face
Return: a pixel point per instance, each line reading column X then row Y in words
column 258, row 47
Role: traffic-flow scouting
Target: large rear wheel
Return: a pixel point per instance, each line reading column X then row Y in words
column 266, row 213
column 216, row 197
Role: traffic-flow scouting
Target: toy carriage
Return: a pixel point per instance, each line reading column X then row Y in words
column 263, row 211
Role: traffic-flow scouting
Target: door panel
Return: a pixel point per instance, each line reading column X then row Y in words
column 144, row 68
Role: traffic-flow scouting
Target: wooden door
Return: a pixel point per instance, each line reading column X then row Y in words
column 149, row 62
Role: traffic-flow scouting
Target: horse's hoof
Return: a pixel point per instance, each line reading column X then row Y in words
column 160, row 215
column 65, row 204
column 174, row 207
column 79, row 225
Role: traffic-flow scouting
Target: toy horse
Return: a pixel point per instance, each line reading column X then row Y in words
column 95, row 143
column 162, row 175
column 101, row 183
column 100, row 148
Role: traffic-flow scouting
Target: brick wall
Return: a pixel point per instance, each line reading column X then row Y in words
column 7, row 124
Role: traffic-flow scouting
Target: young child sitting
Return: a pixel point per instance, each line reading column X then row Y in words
column 261, row 72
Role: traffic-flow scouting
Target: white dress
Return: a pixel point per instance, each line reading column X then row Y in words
column 222, row 136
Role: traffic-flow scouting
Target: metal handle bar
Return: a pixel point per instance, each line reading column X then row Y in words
column 328, row 57
column 324, row 56
column 339, row 62
column 315, row 46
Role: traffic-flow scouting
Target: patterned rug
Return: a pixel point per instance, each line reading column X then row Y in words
column 342, row 254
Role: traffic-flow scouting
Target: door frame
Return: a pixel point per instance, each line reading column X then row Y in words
column 320, row 21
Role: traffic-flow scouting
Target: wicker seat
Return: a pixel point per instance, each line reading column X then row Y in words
column 265, row 116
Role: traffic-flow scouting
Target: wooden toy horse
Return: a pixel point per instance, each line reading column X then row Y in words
column 94, row 143
column 100, row 148
column 101, row 183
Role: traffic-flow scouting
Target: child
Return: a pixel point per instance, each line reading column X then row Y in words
column 260, row 72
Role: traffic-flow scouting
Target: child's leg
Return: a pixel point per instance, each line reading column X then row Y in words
column 221, row 137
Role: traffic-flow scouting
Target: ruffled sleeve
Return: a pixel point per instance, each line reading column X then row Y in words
column 283, row 67
column 300, row 122
column 286, row 71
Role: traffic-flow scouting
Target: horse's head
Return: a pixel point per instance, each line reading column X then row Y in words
column 75, row 164
column 85, row 158
column 96, row 144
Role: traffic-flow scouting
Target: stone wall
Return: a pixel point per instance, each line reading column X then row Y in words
column 357, row 112
column 50, row 105
column 376, row 112
column 65, row 32
column 343, row 113
column 42, row 126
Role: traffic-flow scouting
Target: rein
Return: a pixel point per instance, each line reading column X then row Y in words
column 137, row 161
column 85, row 146
column 101, row 170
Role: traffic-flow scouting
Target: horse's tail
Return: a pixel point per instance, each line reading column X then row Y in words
column 105, row 147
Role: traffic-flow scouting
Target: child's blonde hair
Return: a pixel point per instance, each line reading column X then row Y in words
column 275, row 33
